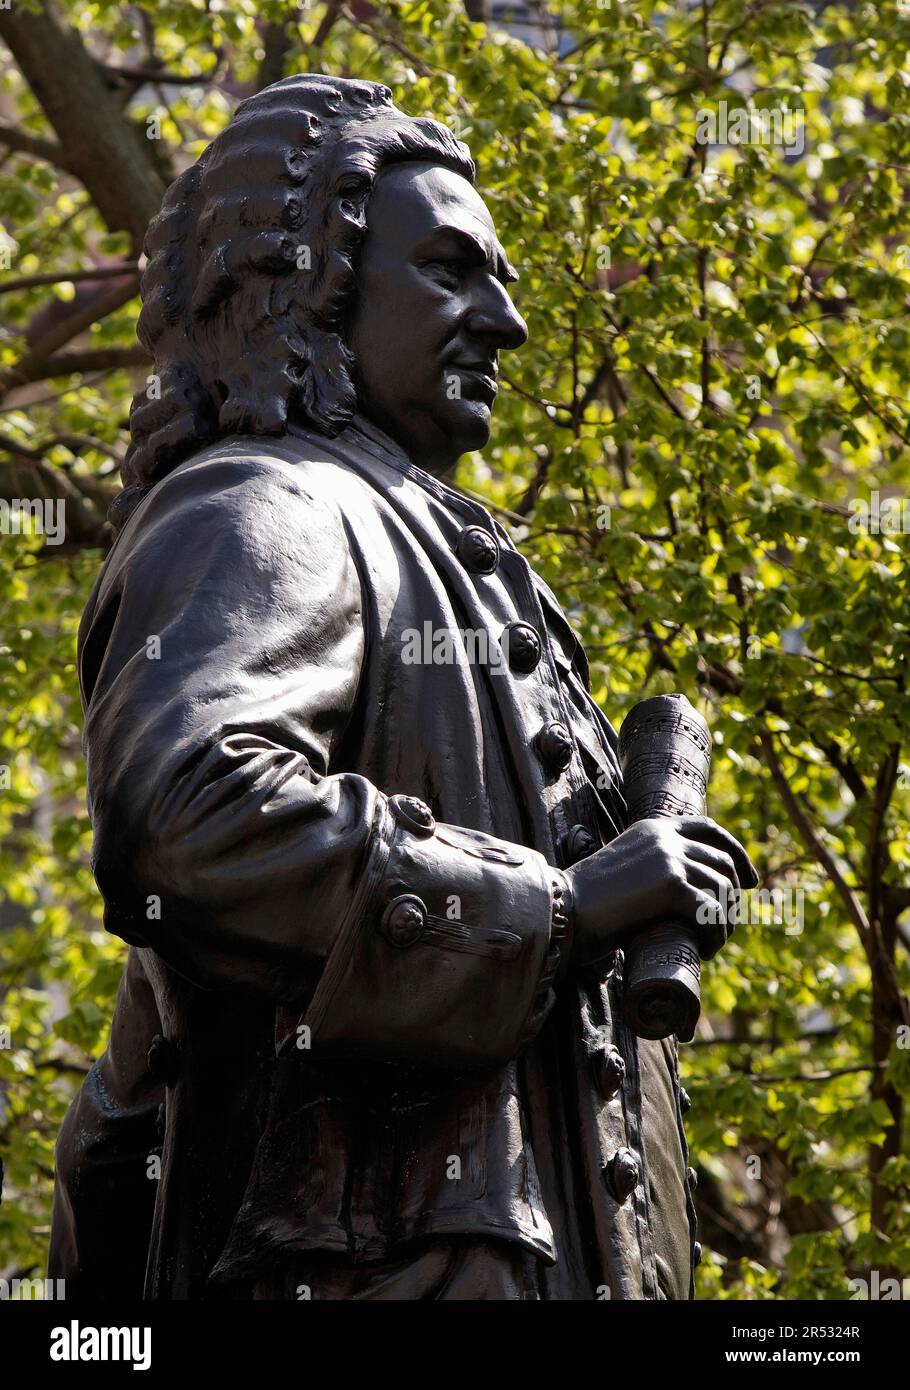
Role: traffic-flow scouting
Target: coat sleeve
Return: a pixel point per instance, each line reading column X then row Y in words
column 219, row 659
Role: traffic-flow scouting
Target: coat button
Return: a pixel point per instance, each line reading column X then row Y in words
column 404, row 920
column 685, row 1100
column 691, row 1179
column 523, row 648
column 555, row 745
column 577, row 843
column 609, row 1070
column 622, row 1174
column 413, row 814
column 163, row 1060
column 477, row 550
column 696, row 1253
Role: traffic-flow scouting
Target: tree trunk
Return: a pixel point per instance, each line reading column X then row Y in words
column 887, row 1016
column 106, row 151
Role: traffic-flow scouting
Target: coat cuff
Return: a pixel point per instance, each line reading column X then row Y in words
column 449, row 953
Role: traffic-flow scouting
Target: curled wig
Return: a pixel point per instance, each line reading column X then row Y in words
column 251, row 270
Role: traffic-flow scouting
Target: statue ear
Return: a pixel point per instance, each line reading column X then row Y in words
column 350, row 198
column 354, row 209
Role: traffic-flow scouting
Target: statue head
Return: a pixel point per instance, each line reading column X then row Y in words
column 326, row 254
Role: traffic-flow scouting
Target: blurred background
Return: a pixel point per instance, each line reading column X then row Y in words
column 704, row 448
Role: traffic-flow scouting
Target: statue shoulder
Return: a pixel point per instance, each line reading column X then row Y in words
column 237, row 480
column 252, row 503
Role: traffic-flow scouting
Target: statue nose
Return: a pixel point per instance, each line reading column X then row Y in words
column 496, row 318
column 517, row 333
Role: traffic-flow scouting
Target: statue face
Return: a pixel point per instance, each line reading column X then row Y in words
column 431, row 315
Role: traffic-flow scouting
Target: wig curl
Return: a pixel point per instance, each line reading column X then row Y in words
column 252, row 270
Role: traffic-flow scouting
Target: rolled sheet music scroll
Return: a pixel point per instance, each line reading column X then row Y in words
column 665, row 757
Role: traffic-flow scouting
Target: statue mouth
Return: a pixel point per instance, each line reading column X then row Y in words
column 481, row 373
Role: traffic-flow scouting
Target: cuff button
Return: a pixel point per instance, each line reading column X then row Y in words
column 413, row 814
column 404, row 920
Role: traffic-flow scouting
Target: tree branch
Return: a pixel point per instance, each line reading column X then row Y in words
column 101, row 145
column 811, row 837
column 22, row 143
column 170, row 79
column 98, row 307
column 89, row 360
column 72, row 277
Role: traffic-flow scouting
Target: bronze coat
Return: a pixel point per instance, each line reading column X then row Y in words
column 346, row 1024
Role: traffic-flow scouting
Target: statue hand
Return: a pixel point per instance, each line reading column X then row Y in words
column 668, row 869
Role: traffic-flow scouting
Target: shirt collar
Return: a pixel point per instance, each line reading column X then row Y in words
column 361, row 433
column 374, row 441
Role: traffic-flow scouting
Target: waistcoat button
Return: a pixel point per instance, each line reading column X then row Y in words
column 163, row 1059
column 622, row 1174
column 555, row 744
column 577, row 843
column 609, row 1070
column 523, row 649
column 477, row 550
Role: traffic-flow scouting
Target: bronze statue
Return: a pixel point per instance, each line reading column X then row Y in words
column 355, row 811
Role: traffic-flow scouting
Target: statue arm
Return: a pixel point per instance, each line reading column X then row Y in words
column 220, row 662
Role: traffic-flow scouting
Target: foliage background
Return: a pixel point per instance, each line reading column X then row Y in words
column 727, row 388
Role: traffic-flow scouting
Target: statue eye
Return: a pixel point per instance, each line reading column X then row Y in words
column 447, row 272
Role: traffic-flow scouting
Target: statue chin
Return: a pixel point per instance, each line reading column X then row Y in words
column 459, row 427
column 469, row 422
